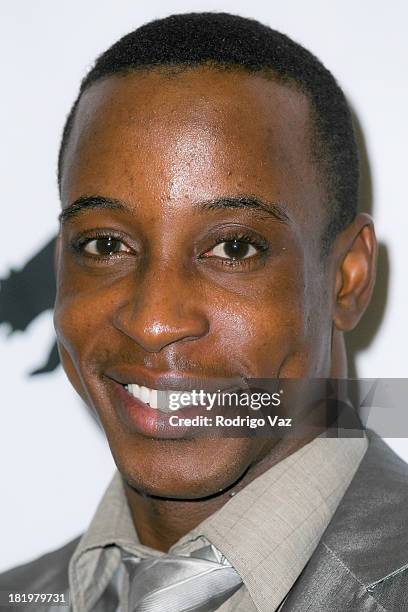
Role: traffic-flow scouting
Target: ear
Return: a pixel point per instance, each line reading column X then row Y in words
column 356, row 249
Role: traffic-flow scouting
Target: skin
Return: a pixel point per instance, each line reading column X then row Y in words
column 162, row 145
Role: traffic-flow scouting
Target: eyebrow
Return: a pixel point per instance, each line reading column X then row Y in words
column 245, row 202
column 277, row 210
column 87, row 202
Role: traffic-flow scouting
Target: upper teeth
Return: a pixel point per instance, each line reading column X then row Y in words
column 144, row 394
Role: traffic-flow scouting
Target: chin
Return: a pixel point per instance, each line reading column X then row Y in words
column 183, row 469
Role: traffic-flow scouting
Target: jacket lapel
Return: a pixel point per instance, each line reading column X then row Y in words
column 361, row 562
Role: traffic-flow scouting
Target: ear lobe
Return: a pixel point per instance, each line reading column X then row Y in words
column 356, row 273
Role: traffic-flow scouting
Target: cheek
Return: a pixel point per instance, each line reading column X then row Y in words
column 80, row 320
column 83, row 307
column 259, row 325
column 275, row 327
column 68, row 332
column 75, row 325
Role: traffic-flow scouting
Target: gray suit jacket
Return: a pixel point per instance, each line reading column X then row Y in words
column 360, row 563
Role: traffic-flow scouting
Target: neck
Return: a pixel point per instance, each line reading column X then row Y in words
column 162, row 522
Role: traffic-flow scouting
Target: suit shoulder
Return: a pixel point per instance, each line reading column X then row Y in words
column 49, row 570
column 361, row 561
column 368, row 532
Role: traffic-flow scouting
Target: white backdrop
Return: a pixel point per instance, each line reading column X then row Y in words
column 54, row 461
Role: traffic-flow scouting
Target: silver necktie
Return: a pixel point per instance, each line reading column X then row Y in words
column 200, row 582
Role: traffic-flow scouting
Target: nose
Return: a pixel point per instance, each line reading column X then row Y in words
column 164, row 308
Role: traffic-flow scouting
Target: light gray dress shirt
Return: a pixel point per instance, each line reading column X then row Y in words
column 268, row 531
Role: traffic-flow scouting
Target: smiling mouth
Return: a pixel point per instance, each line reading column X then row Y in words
column 159, row 399
column 148, row 410
column 143, row 394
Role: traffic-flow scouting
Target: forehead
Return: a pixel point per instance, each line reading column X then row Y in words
column 189, row 134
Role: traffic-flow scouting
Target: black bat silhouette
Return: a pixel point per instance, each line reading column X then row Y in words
column 28, row 292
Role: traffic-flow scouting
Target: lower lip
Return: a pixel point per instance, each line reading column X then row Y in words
column 150, row 422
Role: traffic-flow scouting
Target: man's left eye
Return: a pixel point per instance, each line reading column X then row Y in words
column 233, row 249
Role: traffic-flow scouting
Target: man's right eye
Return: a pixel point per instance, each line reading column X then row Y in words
column 104, row 246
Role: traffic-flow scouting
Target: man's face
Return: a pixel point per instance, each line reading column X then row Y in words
column 197, row 258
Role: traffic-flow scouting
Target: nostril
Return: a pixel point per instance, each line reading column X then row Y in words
column 155, row 326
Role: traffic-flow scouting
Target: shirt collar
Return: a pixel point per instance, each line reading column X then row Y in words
column 98, row 553
column 268, row 531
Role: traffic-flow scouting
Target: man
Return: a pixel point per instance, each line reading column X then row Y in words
column 209, row 232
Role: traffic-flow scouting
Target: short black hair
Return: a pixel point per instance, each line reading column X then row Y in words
column 222, row 40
